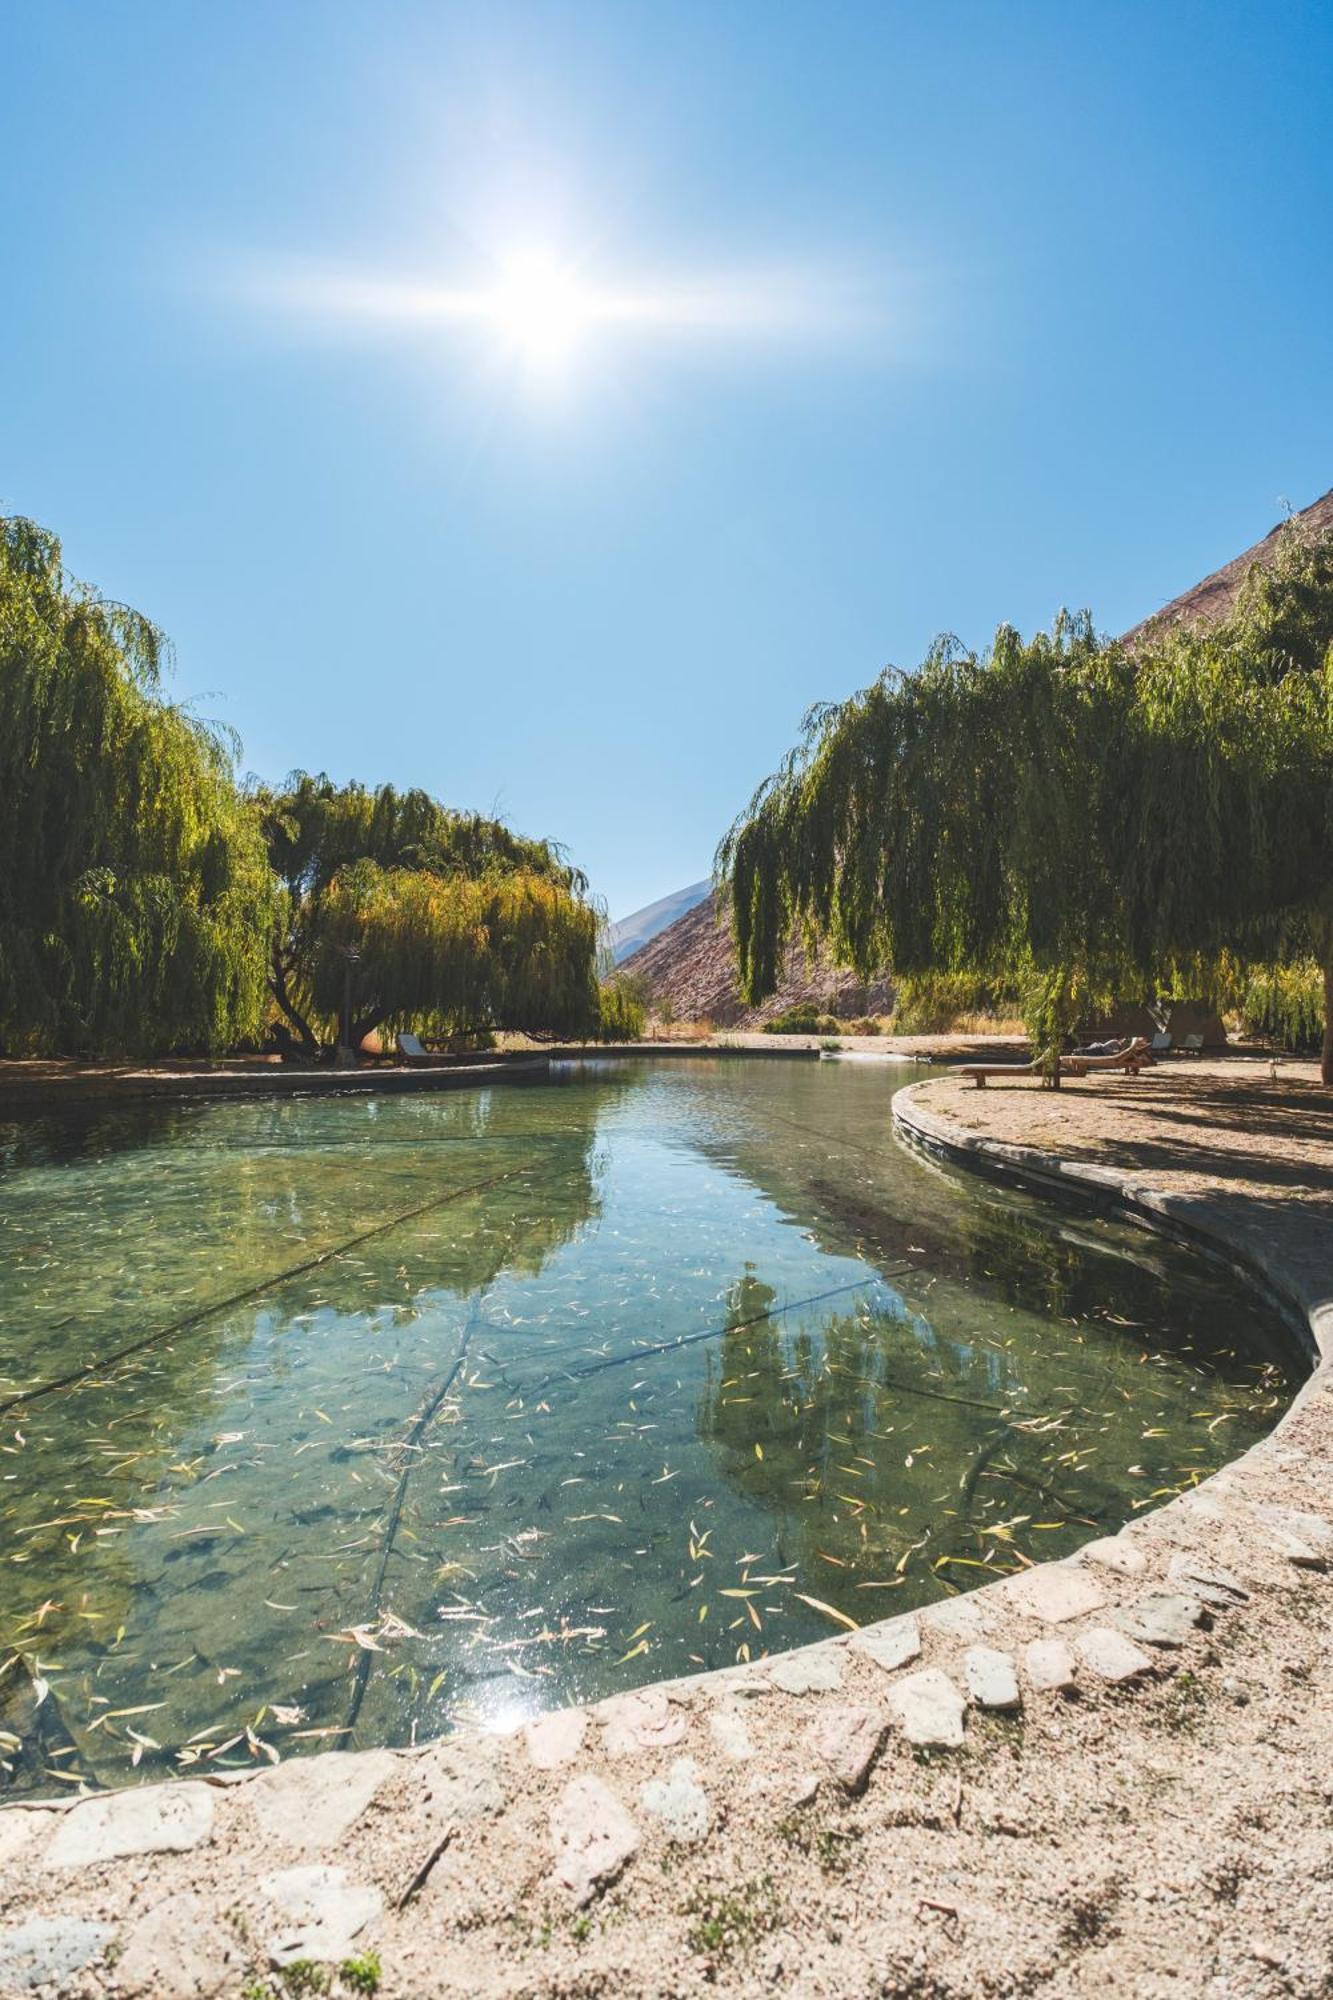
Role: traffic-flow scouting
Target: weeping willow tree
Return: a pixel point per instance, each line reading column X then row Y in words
column 1062, row 815
column 135, row 893
column 442, row 921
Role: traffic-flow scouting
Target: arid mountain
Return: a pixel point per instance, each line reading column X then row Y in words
column 689, row 963
column 1210, row 600
column 628, row 934
column 690, row 966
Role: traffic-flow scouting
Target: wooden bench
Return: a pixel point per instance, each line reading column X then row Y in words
column 1132, row 1059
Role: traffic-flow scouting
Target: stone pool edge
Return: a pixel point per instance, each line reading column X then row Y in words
column 1236, row 1240
column 594, row 1790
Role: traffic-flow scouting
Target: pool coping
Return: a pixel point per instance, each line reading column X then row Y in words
column 269, row 1080
column 1304, row 1301
column 843, row 1696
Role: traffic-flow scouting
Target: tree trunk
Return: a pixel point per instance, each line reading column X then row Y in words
column 1326, row 1060
column 277, row 986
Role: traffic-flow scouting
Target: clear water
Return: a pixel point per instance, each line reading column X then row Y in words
column 386, row 1413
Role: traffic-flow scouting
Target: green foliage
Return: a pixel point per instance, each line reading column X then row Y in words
column 835, row 1848
column 935, row 822
column 804, row 1018
column 450, row 952
column 932, row 1003
column 147, row 905
column 135, row 896
column 305, row 1976
column 363, row 1973
column 1059, row 817
column 727, row 1921
column 1285, row 1004
column 623, row 1007
column 449, row 922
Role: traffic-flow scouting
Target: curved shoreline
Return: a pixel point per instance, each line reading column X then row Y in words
column 1303, row 1299
column 582, row 1809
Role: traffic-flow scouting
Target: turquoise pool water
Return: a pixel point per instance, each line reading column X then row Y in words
column 340, row 1421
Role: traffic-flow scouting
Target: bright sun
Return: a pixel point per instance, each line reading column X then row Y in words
column 538, row 308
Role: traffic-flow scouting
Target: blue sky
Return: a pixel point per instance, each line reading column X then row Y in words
column 875, row 321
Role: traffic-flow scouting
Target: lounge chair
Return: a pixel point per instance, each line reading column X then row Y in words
column 1137, row 1056
column 1161, row 1043
column 1192, row 1045
column 410, row 1050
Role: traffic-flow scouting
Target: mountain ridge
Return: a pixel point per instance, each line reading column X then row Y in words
column 629, row 934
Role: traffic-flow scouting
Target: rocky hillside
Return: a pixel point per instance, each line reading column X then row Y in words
column 689, row 965
column 1210, row 600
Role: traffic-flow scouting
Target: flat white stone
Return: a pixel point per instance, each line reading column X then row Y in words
column 1049, row 1665
column 731, row 1733
column 957, row 1618
column 891, row 1644
column 991, row 1679
column 1304, row 1539
column 555, row 1738
column 680, row 1802
column 178, row 1951
column 929, row 1708
column 319, row 1913
column 809, row 1670
column 1315, row 1526
column 307, row 1804
column 46, row 1951
column 1115, row 1552
column 18, row 1828
column 1303, row 1554
column 1211, row 1583
column 848, row 1738
column 1204, row 1506
column 151, row 1819
column 593, row 1837
column 1055, row 1592
column 644, row 1720
column 1166, row 1618
column 461, row 1775
column 1111, row 1655
column 750, row 1681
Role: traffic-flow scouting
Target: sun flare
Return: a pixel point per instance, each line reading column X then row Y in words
column 539, row 309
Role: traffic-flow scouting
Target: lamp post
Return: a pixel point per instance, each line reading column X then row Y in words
column 351, row 956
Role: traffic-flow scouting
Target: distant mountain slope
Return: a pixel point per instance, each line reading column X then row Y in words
column 1206, row 602
column 630, row 933
column 689, row 961
column 690, row 965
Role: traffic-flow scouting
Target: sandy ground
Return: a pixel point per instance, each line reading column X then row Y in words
column 1167, row 1834
column 1184, row 1125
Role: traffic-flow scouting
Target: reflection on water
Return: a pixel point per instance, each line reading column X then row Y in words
column 338, row 1421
